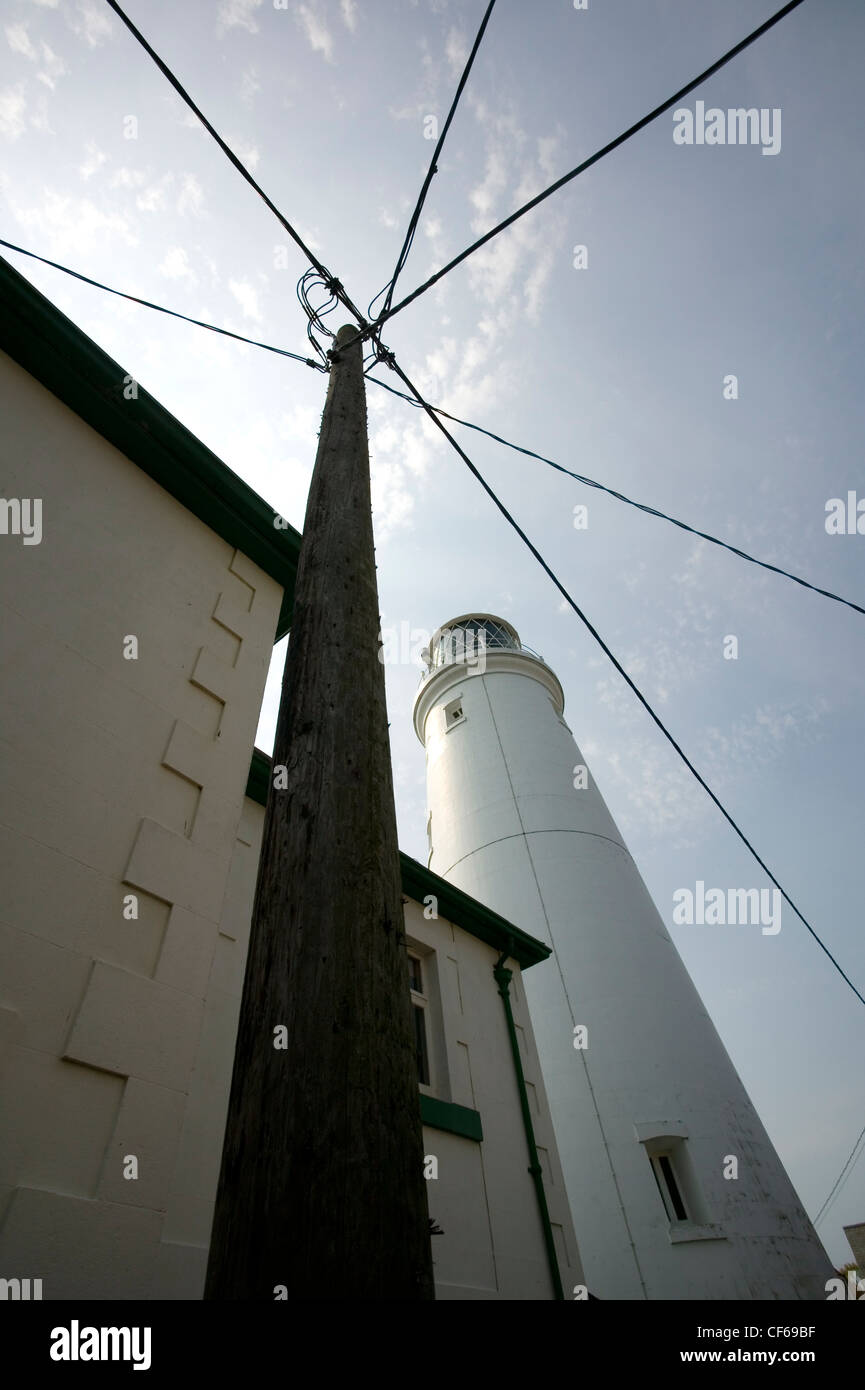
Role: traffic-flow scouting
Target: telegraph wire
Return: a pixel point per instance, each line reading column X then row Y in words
column 389, row 311
column 849, row 1165
column 618, row 665
column 433, row 169
column 620, row 496
column 160, row 309
column 586, row 164
column 332, row 283
column 382, row 355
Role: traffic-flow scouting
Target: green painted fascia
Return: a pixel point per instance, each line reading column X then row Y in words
column 419, row 882
column 59, row 355
column 456, row 1119
column 258, row 780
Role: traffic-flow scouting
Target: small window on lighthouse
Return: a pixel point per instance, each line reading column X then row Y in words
column 669, row 1188
column 454, row 713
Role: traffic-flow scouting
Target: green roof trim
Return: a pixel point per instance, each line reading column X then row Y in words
column 59, row 355
column 258, row 781
column 456, row 1119
column 418, row 883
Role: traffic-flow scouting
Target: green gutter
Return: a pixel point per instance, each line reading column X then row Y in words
column 503, row 978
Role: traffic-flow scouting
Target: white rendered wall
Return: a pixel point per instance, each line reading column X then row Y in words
column 484, row 1199
column 122, row 777
column 117, row 777
column 508, row 827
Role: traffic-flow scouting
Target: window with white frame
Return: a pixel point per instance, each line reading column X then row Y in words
column 454, row 713
column 666, row 1145
column 420, row 1016
column 668, row 1186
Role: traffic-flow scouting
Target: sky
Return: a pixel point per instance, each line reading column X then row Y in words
column 701, row 262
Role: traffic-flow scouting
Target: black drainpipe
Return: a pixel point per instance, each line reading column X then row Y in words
column 503, row 978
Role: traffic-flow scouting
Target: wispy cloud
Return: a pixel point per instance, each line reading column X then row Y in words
column 249, row 85
column 662, row 796
column 190, row 199
column 247, row 297
column 248, row 153
column 90, row 22
column 73, row 225
column 49, row 65
column 127, row 178
column 237, row 14
column 348, row 9
column 94, row 160
column 175, row 266
column 154, row 198
column 18, row 40
column 13, row 105
column 456, row 51
column 317, row 33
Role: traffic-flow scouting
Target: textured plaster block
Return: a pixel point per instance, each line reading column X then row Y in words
column 232, row 615
column 251, row 574
column 43, row 804
column 44, row 983
column 11, row 1032
column 136, row 1027
column 177, row 870
column 188, row 1221
column 191, row 754
column 219, row 766
column 251, row 824
column 57, row 899
column 215, row 827
column 187, row 953
column 80, row 1249
column 214, row 675
column 63, row 1119
column 148, row 1128
column 228, row 965
column 133, row 943
column 180, row 1271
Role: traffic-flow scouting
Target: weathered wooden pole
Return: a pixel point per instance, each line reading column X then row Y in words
column 321, row 1193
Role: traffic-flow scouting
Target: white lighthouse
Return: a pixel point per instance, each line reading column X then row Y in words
column 675, row 1189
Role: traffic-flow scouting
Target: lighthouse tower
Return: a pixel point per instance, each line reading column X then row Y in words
column 675, row 1189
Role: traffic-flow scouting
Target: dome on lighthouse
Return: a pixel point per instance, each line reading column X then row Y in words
column 470, row 631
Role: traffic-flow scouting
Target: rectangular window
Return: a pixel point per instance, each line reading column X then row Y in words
column 668, row 1186
column 419, row 1003
column 414, row 974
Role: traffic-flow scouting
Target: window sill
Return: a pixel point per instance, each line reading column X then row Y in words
column 456, row 1119
column 685, row 1231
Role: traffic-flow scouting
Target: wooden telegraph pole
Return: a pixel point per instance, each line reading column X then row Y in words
column 321, row 1193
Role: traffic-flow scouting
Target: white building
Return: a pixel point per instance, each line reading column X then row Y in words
column 675, row 1189
column 137, row 630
